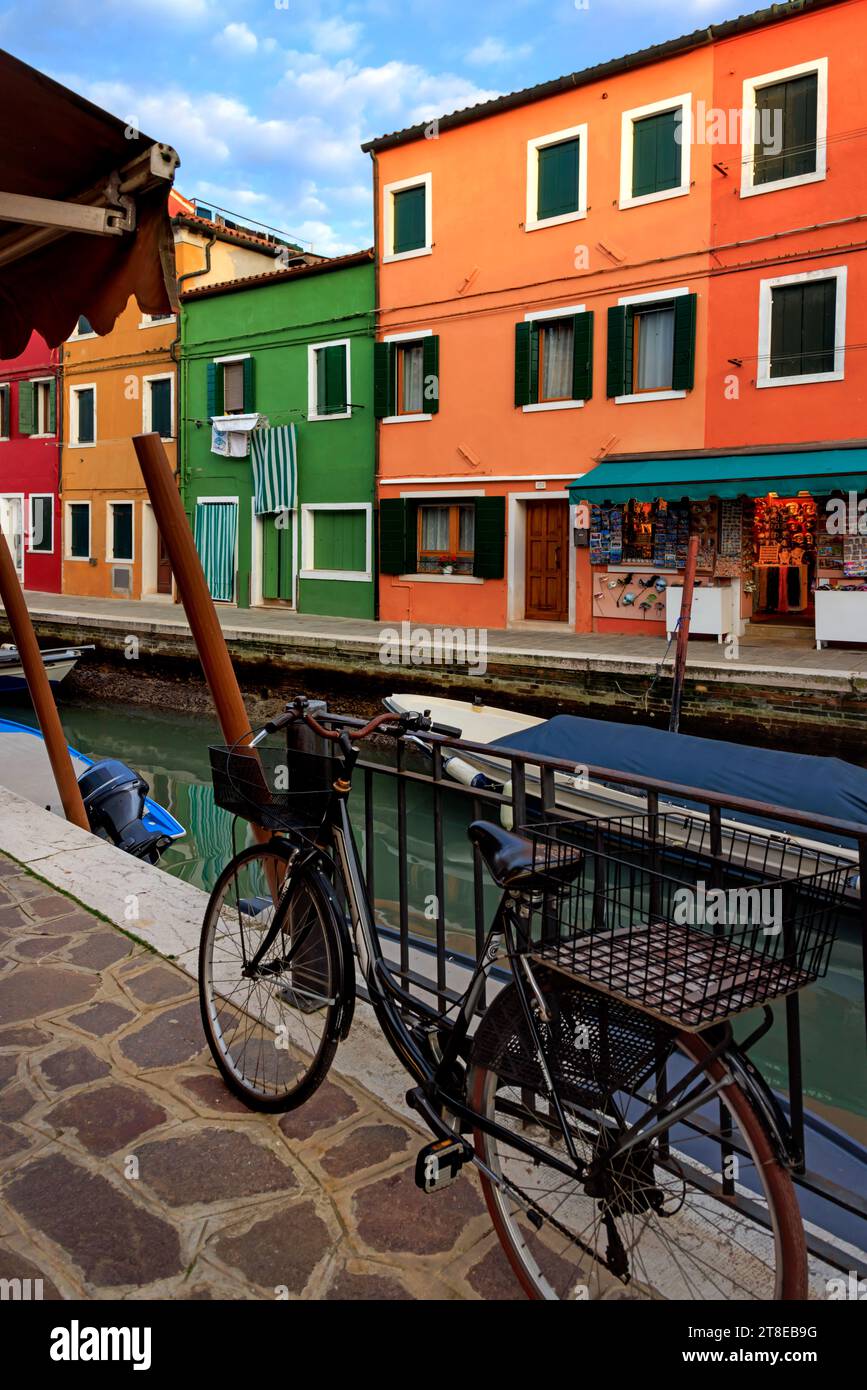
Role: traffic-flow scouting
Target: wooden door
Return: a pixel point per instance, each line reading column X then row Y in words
column 164, row 568
column 547, row 561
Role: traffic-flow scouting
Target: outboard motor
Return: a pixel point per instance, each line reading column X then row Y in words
column 114, row 798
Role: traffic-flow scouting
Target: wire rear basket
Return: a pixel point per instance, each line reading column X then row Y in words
column 688, row 923
column 276, row 787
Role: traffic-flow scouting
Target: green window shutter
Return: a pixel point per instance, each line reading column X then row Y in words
column 683, row 369
column 431, row 373
column 582, row 356
column 161, row 407
column 558, row 184
column 249, row 386
column 331, row 384
column 410, row 219
column 785, row 129
column 383, row 380
column 121, row 531
column 270, row 559
column 52, row 406
column 619, row 365
column 26, row 421
column 488, row 560
column 526, row 364
column 398, row 536
column 656, row 153
column 339, row 541
column 79, row 522
column 215, row 390
column 85, row 412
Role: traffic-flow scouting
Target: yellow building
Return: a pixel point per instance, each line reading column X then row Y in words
column 126, row 383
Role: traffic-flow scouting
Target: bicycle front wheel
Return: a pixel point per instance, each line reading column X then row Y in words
column 273, row 1017
column 665, row 1219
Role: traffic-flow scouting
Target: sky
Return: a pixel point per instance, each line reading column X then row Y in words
column 268, row 101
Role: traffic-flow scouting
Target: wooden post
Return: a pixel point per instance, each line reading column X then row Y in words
column 683, row 634
column 40, row 690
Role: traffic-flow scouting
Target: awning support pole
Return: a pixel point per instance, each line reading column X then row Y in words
column 40, row 690
column 683, row 634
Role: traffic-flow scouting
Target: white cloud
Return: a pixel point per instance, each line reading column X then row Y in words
column 334, row 35
column 492, row 51
column 236, row 39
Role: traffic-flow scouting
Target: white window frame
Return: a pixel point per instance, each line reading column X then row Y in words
column 308, row 521
column 766, row 288
column 67, row 530
column 147, row 321
column 749, row 189
column 312, row 376
column 407, row 338
column 655, row 296
column 147, row 426
column 110, row 556
column 388, row 192
column 74, row 392
column 627, row 150
column 533, row 222
column 553, row 314
column 76, row 337
column 6, row 387
column 31, row 499
column 43, row 434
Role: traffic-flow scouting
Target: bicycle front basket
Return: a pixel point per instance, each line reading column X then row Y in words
column 275, row 787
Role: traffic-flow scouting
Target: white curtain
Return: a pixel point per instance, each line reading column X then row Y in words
column 655, row 349
column 413, row 380
column 557, row 347
column 435, row 528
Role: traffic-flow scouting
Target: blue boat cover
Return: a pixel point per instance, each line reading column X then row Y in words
column 804, row 782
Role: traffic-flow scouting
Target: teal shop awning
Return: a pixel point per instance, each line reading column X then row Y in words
column 275, row 469
column 216, row 535
column 700, row 476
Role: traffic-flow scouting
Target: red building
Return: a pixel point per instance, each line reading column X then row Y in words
column 30, row 432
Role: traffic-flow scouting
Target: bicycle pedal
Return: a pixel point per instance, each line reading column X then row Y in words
column 438, row 1164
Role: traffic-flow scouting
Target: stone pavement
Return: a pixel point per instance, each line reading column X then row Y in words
column 127, row 1170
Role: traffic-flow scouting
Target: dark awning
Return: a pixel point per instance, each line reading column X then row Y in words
column 700, row 476
column 84, row 169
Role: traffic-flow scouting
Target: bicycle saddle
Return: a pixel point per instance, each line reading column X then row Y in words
column 509, row 859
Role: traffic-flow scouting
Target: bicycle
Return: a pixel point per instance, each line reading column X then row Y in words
column 584, row 1092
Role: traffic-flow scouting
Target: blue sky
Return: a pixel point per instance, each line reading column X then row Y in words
column 267, row 101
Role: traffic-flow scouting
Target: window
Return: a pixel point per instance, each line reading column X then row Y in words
column 120, row 538
column 785, row 126
column 446, row 538
column 328, row 381
column 36, row 407
column 651, row 347
column 83, row 328
column 461, row 538
column 83, row 415
column 554, row 359
column 78, row 530
column 5, row 412
column 230, row 386
column 406, row 378
column 336, row 541
column 158, row 411
column 42, row 523
column 802, row 328
column 151, row 320
column 654, row 155
column 556, row 178
column 408, row 229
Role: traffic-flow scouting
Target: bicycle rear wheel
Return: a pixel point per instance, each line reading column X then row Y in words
column 658, row 1223
column 273, row 1018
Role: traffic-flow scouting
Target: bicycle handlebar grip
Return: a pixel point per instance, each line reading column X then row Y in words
column 447, row 730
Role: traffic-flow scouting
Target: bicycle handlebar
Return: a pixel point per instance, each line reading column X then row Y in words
column 401, row 725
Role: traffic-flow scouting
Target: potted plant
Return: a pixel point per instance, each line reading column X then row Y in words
column 447, row 564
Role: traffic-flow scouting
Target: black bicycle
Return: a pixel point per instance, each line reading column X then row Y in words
column 627, row 1147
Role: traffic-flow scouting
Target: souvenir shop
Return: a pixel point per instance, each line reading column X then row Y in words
column 777, row 544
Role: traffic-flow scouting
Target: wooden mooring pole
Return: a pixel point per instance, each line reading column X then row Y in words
column 683, row 635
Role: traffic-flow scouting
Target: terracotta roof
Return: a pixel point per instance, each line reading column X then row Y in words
column 322, row 267
column 712, row 33
column 240, row 236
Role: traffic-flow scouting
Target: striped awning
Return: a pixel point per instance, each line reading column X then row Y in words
column 275, row 469
column 216, row 534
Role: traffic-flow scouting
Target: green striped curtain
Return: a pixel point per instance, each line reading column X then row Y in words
column 216, row 533
column 275, row 469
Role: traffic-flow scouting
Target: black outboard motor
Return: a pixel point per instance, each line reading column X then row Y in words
column 114, row 798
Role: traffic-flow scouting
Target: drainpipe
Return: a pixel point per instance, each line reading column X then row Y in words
column 173, row 353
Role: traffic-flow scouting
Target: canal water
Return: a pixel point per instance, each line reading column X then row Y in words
column 171, row 751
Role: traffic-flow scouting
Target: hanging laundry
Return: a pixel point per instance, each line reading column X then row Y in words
column 275, row 469
column 230, row 434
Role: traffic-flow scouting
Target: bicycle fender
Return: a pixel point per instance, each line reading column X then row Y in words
column 751, row 1081
column 322, row 885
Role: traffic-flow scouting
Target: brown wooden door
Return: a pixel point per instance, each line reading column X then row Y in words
column 547, row 554
column 164, row 569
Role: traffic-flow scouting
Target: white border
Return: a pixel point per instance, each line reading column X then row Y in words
column 19, row 498
column 30, row 500
column 749, row 189
column 766, row 287
column 148, row 322
column 388, row 193
column 67, row 530
column 41, row 381
column 627, row 147
column 516, row 561
column 406, row 338
column 312, row 399
column 566, row 312
column 110, row 556
column 307, row 541
column 73, row 414
column 533, row 222
column 147, row 426
column 652, row 298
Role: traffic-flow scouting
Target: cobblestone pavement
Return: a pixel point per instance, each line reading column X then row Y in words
column 127, row 1170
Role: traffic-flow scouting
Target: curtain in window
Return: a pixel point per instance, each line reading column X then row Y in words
column 435, row 528
column 467, row 528
column 557, row 348
column 413, row 379
column 216, row 532
column 655, row 350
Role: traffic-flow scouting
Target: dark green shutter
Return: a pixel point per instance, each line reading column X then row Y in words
column 619, row 373
column 331, row 384
column 683, row 368
column 383, row 380
column 79, row 520
column 803, row 328
column 398, row 536
column 86, row 416
column 558, row 185
column 490, row 542
column 431, row 374
column 26, row 423
column 656, row 153
column 582, row 357
column 526, row 364
column 215, row 390
column 52, row 406
column 249, row 386
column 121, row 526
column 161, row 407
column 410, row 219
column 786, row 110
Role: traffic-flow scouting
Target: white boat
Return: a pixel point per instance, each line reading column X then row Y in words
column 58, row 662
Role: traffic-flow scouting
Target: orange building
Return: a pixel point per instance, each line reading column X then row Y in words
column 579, row 302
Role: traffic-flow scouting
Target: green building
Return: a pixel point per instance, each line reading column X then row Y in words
column 280, row 490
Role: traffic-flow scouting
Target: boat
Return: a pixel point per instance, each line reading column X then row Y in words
column 807, row 783
column 58, row 662
column 115, row 797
